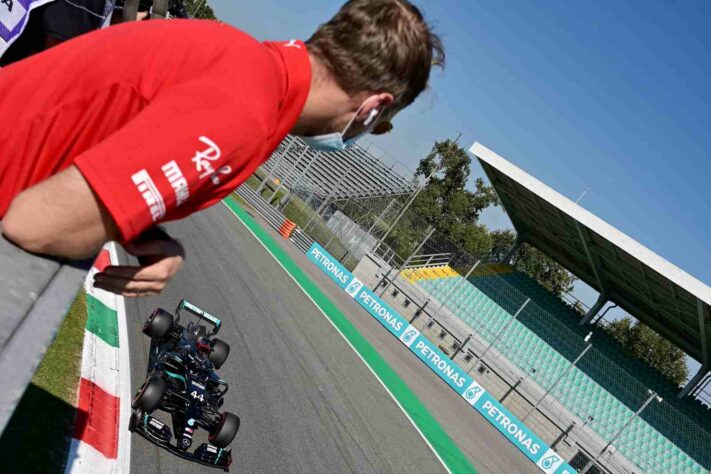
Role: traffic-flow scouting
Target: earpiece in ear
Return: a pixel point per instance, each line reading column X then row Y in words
column 371, row 116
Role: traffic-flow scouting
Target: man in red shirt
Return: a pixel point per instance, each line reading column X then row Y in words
column 111, row 133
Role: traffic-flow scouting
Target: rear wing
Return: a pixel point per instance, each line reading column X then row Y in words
column 205, row 316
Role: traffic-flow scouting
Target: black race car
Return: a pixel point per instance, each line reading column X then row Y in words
column 182, row 381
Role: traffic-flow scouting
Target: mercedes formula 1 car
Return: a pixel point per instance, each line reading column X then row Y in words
column 182, row 381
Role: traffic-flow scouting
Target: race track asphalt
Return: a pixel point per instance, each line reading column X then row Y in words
column 308, row 404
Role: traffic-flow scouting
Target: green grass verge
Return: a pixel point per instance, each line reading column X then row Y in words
column 301, row 213
column 37, row 437
column 446, row 448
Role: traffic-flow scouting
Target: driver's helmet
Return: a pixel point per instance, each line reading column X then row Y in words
column 203, row 345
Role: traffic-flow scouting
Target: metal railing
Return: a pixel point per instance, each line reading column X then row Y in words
column 431, row 260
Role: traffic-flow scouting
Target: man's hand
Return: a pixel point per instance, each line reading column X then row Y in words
column 160, row 259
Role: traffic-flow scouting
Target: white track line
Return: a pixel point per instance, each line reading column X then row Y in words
column 345, row 339
column 123, row 461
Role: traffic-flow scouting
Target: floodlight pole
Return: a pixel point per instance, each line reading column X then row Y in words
column 455, row 288
column 274, row 168
column 588, row 345
column 652, row 396
column 500, row 333
column 422, row 243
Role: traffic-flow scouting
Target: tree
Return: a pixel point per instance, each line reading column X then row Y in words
column 643, row 343
column 453, row 210
column 200, row 9
column 447, row 205
column 532, row 262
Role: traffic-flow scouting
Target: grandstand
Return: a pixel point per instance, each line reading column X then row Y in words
column 605, row 387
column 356, row 172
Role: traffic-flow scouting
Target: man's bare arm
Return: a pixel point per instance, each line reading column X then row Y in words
column 61, row 217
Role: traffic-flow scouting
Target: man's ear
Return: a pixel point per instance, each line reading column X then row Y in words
column 374, row 102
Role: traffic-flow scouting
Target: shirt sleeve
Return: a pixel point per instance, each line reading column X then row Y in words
column 185, row 150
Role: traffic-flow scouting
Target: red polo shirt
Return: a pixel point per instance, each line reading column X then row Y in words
column 162, row 118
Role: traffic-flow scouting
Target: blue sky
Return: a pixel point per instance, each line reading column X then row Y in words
column 613, row 96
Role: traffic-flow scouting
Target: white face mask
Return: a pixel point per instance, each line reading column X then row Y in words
column 334, row 141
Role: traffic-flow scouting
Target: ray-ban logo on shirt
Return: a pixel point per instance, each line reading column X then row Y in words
column 203, row 160
column 150, row 193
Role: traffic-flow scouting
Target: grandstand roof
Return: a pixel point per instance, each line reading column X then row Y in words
column 656, row 292
column 352, row 173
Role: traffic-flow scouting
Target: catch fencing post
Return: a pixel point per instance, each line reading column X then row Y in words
column 500, row 333
column 407, row 205
column 455, row 288
column 274, row 168
column 385, row 278
column 288, row 174
column 652, row 396
column 560, row 377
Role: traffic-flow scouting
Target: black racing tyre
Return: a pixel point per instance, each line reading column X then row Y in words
column 158, row 324
column 225, row 431
column 219, row 353
column 149, row 394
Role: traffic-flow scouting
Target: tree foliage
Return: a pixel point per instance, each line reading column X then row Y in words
column 200, row 9
column 454, row 209
column 532, row 262
column 643, row 343
column 447, row 205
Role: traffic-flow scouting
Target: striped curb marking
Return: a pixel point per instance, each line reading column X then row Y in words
column 98, row 445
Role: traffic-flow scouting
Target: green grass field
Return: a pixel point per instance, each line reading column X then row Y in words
column 37, row 437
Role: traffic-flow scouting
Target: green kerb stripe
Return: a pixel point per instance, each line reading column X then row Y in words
column 102, row 321
column 450, row 453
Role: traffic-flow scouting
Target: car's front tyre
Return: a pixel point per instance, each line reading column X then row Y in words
column 225, row 431
column 149, row 394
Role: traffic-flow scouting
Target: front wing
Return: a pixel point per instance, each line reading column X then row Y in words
column 159, row 434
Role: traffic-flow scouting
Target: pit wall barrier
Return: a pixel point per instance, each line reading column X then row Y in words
column 450, row 372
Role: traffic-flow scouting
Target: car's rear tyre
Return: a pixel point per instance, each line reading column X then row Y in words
column 225, row 431
column 219, row 353
column 158, row 324
column 149, row 394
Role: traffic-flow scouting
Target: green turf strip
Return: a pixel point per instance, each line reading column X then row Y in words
column 450, row 453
